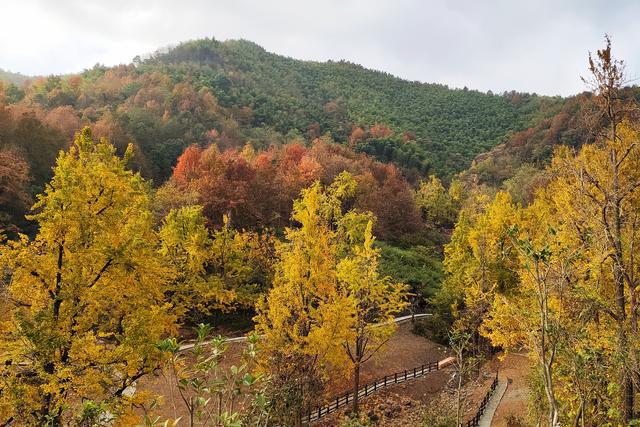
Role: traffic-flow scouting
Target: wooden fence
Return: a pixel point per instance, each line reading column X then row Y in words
column 370, row 388
column 473, row 422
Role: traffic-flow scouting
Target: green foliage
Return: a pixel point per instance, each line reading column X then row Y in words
column 213, row 394
column 235, row 91
column 418, row 266
column 288, row 94
column 436, row 204
column 217, row 271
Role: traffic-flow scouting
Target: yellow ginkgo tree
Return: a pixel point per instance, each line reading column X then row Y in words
column 86, row 294
column 318, row 318
column 373, row 302
column 302, row 318
column 216, row 270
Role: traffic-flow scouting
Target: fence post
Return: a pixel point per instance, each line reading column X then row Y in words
column 417, row 371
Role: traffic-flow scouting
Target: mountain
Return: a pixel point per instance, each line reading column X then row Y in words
column 234, row 92
column 13, row 78
column 518, row 164
column 449, row 126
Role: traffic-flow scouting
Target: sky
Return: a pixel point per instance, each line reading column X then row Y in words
column 530, row 46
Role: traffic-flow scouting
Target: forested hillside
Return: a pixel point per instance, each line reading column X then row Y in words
column 519, row 164
column 235, row 91
column 15, row 78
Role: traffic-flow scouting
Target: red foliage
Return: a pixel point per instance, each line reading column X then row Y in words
column 187, row 165
column 259, row 192
column 357, row 134
column 380, row 131
column 408, row 136
column 65, row 119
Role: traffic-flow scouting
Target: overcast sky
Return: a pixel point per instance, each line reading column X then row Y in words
column 535, row 46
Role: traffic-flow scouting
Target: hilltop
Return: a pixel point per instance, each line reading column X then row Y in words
column 259, row 97
column 13, row 78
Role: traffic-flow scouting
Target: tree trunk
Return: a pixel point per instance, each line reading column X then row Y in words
column 459, row 408
column 554, row 413
column 191, row 412
column 356, row 386
column 626, row 383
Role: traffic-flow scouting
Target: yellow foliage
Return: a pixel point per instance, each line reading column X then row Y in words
column 326, row 295
column 87, row 293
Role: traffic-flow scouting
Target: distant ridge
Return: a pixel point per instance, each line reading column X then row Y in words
column 15, row 78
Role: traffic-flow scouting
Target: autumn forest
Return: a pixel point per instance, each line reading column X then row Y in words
column 218, row 235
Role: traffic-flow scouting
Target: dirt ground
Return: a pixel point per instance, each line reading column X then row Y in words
column 404, row 350
column 408, row 404
column 515, row 368
column 404, row 404
column 513, row 405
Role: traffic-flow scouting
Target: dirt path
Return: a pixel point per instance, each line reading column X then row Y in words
column 487, row 418
column 404, row 350
column 513, row 405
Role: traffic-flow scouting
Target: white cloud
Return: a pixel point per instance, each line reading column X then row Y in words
column 500, row 45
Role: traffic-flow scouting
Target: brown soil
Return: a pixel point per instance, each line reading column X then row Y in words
column 162, row 384
column 404, row 350
column 515, row 368
column 407, row 404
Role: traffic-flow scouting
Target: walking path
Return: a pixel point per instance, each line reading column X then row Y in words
column 487, row 417
column 131, row 390
column 244, row 338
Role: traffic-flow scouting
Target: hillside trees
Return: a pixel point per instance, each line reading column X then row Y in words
column 86, row 294
column 216, row 271
column 14, row 191
column 234, row 91
column 23, row 132
column 256, row 189
column 436, row 204
column 373, row 302
column 572, row 302
column 327, row 295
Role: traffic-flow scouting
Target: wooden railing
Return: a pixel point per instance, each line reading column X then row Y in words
column 370, row 388
column 473, row 422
